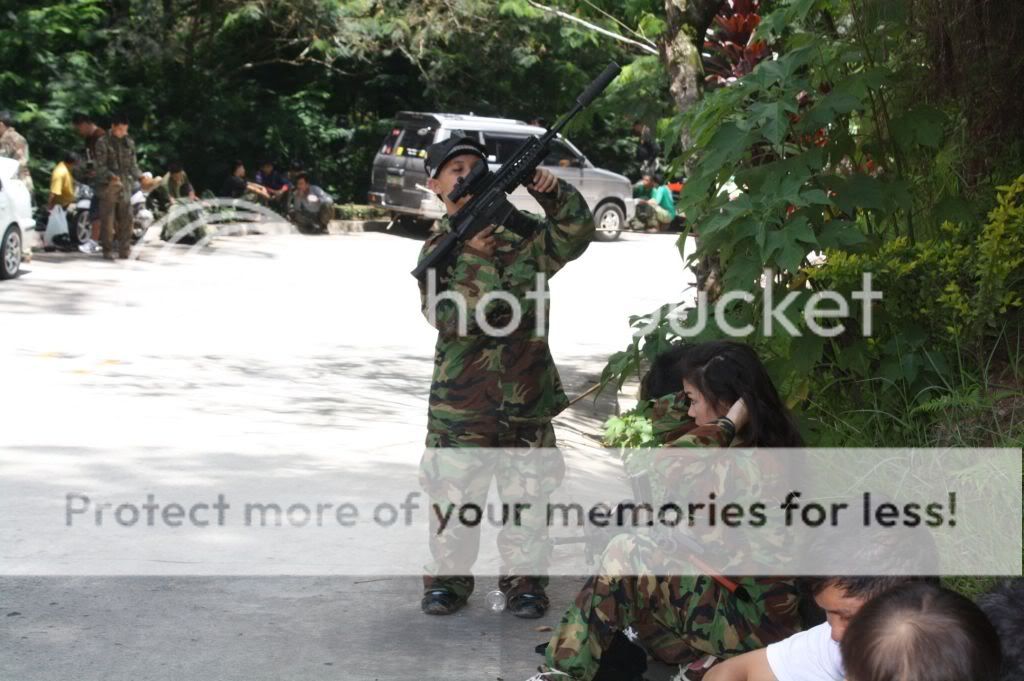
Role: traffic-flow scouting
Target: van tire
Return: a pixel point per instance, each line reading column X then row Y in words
column 10, row 253
column 608, row 215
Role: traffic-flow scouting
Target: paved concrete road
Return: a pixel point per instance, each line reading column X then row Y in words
column 276, row 356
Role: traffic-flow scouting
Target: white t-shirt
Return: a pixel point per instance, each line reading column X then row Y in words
column 811, row 655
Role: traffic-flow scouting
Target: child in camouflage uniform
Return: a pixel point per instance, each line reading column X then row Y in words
column 683, row 619
column 491, row 391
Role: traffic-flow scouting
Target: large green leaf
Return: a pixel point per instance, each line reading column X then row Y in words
column 728, row 145
column 774, row 123
column 743, row 272
column 857, row 192
column 792, row 243
column 829, row 108
column 840, row 234
column 921, row 125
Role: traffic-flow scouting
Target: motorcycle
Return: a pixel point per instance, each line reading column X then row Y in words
column 79, row 224
column 142, row 215
column 77, row 229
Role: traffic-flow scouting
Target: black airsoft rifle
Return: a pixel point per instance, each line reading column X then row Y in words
column 489, row 204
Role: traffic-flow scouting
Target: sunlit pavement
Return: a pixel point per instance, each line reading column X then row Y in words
column 292, row 353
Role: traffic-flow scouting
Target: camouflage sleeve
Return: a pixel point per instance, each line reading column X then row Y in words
column 104, row 174
column 691, row 461
column 717, row 434
column 566, row 232
column 133, row 169
column 473, row 276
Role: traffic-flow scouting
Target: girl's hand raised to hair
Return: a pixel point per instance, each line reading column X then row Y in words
column 738, row 414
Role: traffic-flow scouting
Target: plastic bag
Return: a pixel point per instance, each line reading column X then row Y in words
column 56, row 225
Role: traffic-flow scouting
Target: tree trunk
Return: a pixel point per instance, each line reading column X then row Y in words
column 688, row 22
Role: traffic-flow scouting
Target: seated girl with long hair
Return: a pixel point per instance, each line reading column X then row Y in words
column 684, row 619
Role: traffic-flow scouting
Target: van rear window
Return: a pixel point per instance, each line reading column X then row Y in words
column 414, row 141
column 502, row 147
column 387, row 147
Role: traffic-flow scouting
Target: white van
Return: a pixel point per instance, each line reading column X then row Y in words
column 398, row 182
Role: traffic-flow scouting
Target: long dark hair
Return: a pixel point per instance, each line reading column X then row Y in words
column 725, row 371
column 664, row 376
column 924, row 633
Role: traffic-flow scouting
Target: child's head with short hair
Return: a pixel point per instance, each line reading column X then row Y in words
column 921, row 633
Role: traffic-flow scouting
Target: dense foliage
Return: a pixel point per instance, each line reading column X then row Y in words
column 307, row 81
column 845, row 145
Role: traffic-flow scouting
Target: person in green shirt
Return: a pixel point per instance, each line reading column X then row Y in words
column 641, row 190
column 655, row 212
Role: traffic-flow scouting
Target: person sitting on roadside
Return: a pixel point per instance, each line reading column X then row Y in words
column 175, row 193
column 656, row 212
column 685, row 618
column 921, row 633
column 236, row 186
column 814, row 654
column 177, row 184
column 294, row 169
column 896, row 555
column 310, row 207
column 62, row 182
column 275, row 183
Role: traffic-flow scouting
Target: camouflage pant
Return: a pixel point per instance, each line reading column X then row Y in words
column 650, row 217
column 115, row 220
column 312, row 221
column 679, row 619
column 453, row 477
column 187, row 222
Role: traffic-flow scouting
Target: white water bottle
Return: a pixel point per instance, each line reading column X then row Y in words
column 495, row 600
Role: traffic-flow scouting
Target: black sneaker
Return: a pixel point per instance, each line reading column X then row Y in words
column 528, row 606
column 440, row 602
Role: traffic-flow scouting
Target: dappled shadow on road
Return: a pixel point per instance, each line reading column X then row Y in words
column 346, row 390
column 321, row 392
column 53, row 297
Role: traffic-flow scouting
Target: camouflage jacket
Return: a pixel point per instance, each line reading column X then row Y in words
column 115, row 157
column 487, row 383
column 13, row 145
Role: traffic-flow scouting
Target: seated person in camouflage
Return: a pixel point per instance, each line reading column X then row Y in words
column 177, row 184
column 310, row 208
column 662, row 398
column 185, row 220
column 655, row 212
column 237, row 187
column 684, row 619
column 490, row 390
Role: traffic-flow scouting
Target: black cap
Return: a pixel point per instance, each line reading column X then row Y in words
column 441, row 152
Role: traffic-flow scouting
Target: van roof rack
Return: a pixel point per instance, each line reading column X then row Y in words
column 460, row 117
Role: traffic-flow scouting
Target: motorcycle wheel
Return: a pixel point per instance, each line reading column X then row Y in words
column 79, row 228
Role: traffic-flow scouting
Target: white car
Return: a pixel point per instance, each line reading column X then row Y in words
column 15, row 217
